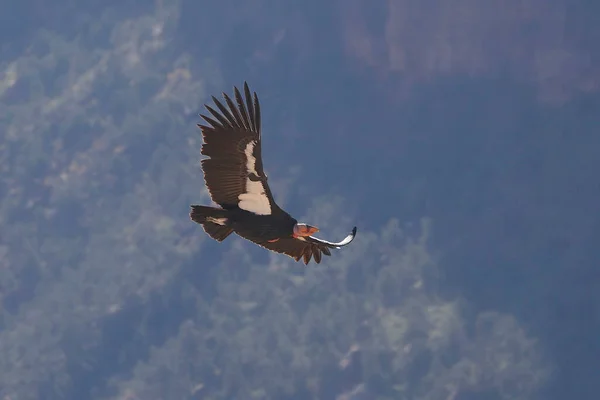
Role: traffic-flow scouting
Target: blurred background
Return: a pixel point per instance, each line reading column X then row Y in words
column 461, row 137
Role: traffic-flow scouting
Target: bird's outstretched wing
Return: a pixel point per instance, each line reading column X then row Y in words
column 233, row 173
column 307, row 247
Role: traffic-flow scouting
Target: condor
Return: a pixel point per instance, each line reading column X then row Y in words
column 234, row 176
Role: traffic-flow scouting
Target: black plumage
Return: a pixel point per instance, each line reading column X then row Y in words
column 235, row 179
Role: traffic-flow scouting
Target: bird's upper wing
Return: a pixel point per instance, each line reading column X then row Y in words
column 306, row 248
column 233, row 173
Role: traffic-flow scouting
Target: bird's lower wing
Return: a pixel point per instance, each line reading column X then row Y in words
column 306, row 248
column 297, row 249
column 333, row 245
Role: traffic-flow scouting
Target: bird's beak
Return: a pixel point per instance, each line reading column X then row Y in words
column 304, row 230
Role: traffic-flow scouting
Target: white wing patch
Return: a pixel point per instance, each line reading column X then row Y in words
column 255, row 199
column 218, row 221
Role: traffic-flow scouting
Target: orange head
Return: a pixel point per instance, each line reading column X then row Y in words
column 304, row 230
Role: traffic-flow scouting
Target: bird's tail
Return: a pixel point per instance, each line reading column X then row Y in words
column 214, row 221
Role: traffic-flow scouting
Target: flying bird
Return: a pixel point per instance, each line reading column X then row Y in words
column 236, row 181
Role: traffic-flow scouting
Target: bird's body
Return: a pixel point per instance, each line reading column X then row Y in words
column 268, row 227
column 234, row 176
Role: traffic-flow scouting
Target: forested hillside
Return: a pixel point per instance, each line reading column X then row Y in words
column 462, row 141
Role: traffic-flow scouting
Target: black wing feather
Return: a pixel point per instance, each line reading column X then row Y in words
column 211, row 121
column 257, row 115
column 251, row 108
column 225, row 112
column 224, row 122
column 242, row 108
column 236, row 113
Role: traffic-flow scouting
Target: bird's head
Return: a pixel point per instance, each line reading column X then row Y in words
column 304, row 230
